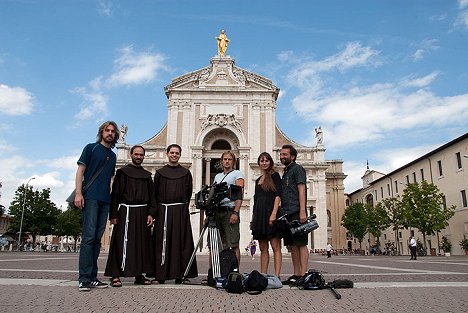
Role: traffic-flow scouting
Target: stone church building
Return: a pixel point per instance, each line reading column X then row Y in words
column 224, row 107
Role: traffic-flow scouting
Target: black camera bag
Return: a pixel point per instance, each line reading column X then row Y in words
column 227, row 263
column 313, row 279
column 234, row 283
column 255, row 283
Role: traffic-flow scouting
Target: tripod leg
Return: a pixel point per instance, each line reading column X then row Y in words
column 337, row 295
column 187, row 269
column 214, row 251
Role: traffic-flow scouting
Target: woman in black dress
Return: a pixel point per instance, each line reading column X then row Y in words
column 266, row 203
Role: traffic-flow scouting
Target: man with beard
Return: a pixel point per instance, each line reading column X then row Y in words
column 133, row 206
column 172, row 233
column 293, row 203
column 96, row 166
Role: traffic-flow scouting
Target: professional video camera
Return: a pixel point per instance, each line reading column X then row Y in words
column 209, row 197
column 296, row 228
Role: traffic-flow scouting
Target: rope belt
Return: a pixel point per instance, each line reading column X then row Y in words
column 127, row 220
column 163, row 254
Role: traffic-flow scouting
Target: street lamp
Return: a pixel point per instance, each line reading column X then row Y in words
column 22, row 213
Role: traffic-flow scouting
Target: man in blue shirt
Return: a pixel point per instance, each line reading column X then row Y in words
column 293, row 203
column 97, row 160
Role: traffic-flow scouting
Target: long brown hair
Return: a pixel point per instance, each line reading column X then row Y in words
column 101, row 129
column 268, row 183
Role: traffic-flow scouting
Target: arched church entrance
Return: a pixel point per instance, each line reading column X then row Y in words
column 215, row 144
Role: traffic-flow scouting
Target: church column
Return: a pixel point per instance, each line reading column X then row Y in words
column 269, row 129
column 186, row 129
column 172, row 122
column 244, row 168
column 197, row 168
column 207, row 171
column 321, row 234
column 254, row 131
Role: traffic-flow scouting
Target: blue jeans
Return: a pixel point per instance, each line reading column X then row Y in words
column 94, row 219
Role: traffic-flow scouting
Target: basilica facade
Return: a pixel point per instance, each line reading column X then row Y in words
column 224, row 107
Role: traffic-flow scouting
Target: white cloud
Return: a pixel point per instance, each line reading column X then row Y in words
column 368, row 113
column 285, row 56
column 462, row 19
column 5, row 127
column 462, row 16
column 133, row 68
column 105, row 7
column 309, row 74
column 438, row 17
column 421, row 81
column 56, row 174
column 359, row 114
column 354, row 170
column 15, row 101
column 384, row 161
column 94, row 103
column 6, row 148
column 389, row 160
column 418, row 55
column 424, row 47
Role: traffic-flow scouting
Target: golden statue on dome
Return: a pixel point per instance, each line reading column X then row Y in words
column 222, row 43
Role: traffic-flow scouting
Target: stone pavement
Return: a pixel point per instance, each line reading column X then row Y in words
column 46, row 282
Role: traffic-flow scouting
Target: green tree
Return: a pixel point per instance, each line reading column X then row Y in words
column 377, row 220
column 424, row 208
column 40, row 214
column 69, row 224
column 355, row 221
column 396, row 215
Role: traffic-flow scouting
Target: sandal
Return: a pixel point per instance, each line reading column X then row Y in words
column 115, row 282
column 142, row 280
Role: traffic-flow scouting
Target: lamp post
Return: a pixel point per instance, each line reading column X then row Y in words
column 22, row 213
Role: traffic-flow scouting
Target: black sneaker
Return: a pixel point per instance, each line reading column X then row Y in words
column 84, row 287
column 98, row 284
column 290, row 280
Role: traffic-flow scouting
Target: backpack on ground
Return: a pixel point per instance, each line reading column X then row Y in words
column 234, row 283
column 227, row 264
column 255, row 283
column 310, row 281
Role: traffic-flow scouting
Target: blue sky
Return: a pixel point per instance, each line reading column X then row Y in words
column 386, row 80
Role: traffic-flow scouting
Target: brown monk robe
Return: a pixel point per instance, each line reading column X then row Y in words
column 172, row 233
column 132, row 195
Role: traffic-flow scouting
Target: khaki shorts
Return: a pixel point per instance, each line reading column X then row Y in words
column 230, row 233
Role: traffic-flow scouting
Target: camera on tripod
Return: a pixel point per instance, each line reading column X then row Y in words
column 296, row 228
column 209, row 197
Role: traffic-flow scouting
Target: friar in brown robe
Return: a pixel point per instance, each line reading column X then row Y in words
column 133, row 206
column 172, row 233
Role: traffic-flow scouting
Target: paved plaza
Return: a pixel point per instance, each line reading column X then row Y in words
column 47, row 282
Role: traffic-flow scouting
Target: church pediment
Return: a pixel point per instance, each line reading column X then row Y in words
column 221, row 74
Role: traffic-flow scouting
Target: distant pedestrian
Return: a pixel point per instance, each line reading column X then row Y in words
column 253, row 248
column 329, row 249
column 412, row 246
